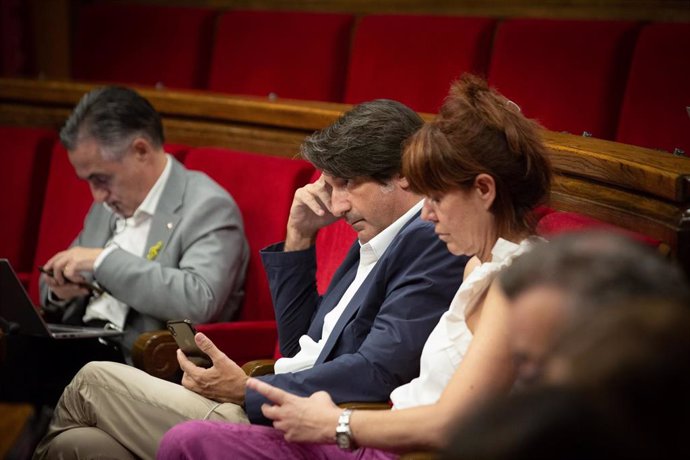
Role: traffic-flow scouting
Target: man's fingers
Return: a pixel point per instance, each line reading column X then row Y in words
column 185, row 364
column 270, row 411
column 307, row 198
column 208, row 347
column 276, row 395
column 324, row 197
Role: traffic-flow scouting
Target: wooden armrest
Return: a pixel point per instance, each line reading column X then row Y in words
column 258, row 367
column 365, row 405
column 15, row 417
column 155, row 353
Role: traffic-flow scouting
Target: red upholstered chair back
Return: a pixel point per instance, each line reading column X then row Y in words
column 295, row 55
column 413, row 59
column 654, row 112
column 25, row 158
column 569, row 75
column 67, row 200
column 553, row 223
column 143, row 44
column 263, row 187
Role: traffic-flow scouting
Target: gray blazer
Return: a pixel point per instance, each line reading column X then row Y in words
column 198, row 272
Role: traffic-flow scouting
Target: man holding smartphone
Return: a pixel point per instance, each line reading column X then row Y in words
column 160, row 242
column 359, row 341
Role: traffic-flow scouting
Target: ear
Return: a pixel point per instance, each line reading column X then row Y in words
column 402, row 182
column 142, row 148
column 485, row 187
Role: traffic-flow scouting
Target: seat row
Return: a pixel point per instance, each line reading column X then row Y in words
column 616, row 80
column 44, row 205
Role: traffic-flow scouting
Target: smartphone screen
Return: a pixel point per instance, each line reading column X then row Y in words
column 183, row 332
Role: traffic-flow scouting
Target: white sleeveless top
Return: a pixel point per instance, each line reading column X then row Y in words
column 448, row 342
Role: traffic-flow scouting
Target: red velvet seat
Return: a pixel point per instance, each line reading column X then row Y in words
column 295, row 55
column 143, row 44
column 654, row 112
column 556, row 222
column 413, row 59
column 25, row 161
column 263, row 187
column 67, row 200
column 570, row 75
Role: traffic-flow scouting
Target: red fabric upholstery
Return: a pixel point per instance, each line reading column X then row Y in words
column 294, row 55
column 654, row 110
column 67, row 200
column 413, row 59
column 243, row 341
column 143, row 44
column 570, row 75
column 557, row 222
column 263, row 187
column 25, row 154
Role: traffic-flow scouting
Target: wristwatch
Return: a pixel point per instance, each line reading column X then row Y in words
column 343, row 433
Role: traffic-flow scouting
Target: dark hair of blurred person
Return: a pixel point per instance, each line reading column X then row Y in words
column 580, row 272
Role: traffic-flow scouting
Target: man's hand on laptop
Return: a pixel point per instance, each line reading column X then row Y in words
column 67, row 267
column 65, row 291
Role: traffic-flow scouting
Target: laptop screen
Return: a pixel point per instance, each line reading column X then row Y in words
column 16, row 309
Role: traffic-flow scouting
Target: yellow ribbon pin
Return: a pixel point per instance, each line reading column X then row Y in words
column 153, row 251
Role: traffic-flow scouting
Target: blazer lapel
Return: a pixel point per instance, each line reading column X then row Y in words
column 356, row 301
column 342, row 279
column 347, row 314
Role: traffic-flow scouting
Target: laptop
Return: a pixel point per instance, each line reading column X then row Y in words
column 18, row 313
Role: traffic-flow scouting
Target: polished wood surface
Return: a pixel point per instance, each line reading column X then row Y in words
column 13, row 419
column 660, row 10
column 636, row 188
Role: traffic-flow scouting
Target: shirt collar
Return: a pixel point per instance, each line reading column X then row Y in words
column 379, row 243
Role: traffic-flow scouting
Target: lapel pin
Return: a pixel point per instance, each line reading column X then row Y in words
column 169, row 225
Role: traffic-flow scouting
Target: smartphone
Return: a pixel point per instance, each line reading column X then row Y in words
column 89, row 286
column 183, row 332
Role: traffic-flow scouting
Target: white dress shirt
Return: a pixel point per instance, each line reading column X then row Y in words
column 130, row 235
column 369, row 254
column 448, row 342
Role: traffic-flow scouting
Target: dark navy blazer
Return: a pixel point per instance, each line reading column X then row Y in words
column 376, row 344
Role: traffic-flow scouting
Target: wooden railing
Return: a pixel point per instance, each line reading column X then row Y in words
column 635, row 188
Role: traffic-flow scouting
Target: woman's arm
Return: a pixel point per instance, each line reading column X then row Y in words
column 487, row 370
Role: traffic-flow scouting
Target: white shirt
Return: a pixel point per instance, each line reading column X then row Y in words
column 369, row 254
column 446, row 346
column 130, row 235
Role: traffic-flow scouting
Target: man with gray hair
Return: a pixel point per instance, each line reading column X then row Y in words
column 160, row 241
column 359, row 341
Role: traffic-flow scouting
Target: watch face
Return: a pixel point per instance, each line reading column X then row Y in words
column 342, row 440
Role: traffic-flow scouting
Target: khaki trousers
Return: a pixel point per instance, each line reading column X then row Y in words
column 112, row 410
